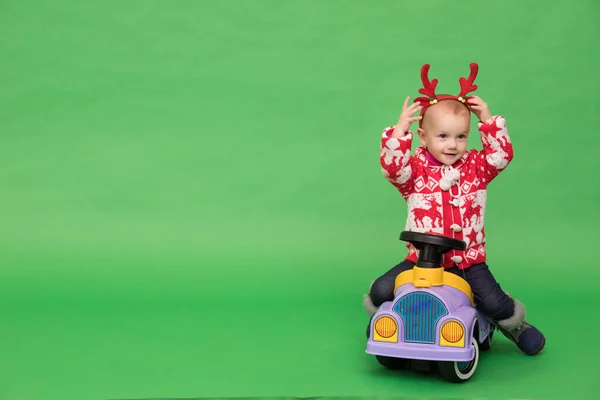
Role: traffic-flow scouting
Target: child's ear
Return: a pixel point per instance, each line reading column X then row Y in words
column 421, row 133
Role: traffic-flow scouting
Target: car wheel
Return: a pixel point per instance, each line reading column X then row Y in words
column 460, row 371
column 487, row 342
column 392, row 362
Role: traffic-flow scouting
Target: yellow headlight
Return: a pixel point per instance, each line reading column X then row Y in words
column 452, row 331
column 385, row 329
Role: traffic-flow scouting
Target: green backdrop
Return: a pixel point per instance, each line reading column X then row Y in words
column 192, row 203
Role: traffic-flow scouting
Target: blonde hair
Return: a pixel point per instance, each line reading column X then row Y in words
column 451, row 106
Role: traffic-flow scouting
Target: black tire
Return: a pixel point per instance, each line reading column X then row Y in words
column 423, row 366
column 458, row 372
column 487, row 342
column 392, row 362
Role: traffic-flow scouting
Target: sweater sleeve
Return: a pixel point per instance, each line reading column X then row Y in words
column 497, row 150
column 395, row 160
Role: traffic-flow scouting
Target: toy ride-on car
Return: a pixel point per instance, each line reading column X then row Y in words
column 432, row 318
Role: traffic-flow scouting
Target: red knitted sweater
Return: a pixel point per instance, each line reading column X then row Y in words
column 459, row 211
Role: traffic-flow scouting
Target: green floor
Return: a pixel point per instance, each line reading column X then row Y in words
column 191, row 203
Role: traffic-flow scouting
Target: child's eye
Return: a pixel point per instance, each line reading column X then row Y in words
column 462, row 136
column 443, row 136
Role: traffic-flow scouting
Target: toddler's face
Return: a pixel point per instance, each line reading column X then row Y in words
column 445, row 134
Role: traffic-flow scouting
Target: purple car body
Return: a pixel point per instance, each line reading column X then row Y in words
column 420, row 314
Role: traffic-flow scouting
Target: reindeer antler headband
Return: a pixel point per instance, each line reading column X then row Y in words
column 428, row 89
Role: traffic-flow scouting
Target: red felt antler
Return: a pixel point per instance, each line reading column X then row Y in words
column 466, row 85
column 428, row 88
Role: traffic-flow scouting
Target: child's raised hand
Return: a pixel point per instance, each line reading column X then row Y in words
column 406, row 118
column 480, row 109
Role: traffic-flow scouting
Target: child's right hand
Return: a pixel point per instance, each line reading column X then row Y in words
column 406, row 118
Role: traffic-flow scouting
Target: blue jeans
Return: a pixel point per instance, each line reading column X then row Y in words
column 490, row 299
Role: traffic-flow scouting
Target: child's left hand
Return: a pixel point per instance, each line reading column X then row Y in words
column 480, row 109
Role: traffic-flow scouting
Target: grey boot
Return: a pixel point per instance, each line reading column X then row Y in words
column 368, row 303
column 526, row 336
